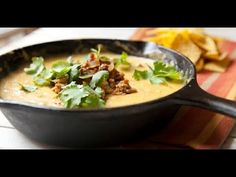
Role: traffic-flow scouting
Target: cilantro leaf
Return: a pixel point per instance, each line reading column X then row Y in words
column 69, row 60
column 86, row 76
column 159, row 74
column 76, row 96
column 60, row 68
column 162, row 69
column 36, row 67
column 98, row 78
column 74, row 72
column 157, row 80
column 122, row 60
column 72, row 94
column 99, row 91
column 97, row 51
column 43, row 79
column 93, row 100
column 138, row 75
column 28, row 88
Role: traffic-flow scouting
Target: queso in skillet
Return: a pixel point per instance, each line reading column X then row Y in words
column 91, row 80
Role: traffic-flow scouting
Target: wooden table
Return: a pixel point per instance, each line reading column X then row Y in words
column 10, row 138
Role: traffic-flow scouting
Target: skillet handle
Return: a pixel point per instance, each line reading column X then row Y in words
column 193, row 95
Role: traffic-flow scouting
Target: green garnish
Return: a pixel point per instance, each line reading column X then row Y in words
column 69, row 60
column 74, row 72
column 98, row 55
column 28, row 88
column 97, row 51
column 93, row 100
column 139, row 75
column 36, row 67
column 122, row 60
column 86, row 76
column 43, row 79
column 157, row 80
column 98, row 78
column 160, row 73
column 76, row 96
column 60, row 68
column 164, row 70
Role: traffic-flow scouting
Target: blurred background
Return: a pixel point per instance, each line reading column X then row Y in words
column 27, row 36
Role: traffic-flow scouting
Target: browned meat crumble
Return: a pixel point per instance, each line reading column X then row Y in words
column 116, row 84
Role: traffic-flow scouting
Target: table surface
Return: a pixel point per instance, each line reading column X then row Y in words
column 10, row 138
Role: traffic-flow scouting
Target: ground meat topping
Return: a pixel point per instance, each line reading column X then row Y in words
column 59, row 83
column 116, row 84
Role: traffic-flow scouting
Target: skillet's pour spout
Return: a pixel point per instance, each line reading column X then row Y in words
column 197, row 97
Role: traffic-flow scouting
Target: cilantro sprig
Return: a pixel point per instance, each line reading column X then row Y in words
column 98, row 78
column 98, row 55
column 28, row 88
column 80, row 96
column 36, row 67
column 160, row 73
column 122, row 60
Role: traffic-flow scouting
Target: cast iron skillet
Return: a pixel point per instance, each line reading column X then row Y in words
column 108, row 126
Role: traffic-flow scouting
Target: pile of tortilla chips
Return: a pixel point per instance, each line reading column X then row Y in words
column 202, row 49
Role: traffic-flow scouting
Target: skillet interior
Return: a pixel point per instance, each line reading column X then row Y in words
column 89, row 128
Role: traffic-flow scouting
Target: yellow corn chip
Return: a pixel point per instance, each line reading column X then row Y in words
column 202, row 49
column 208, row 44
column 217, row 66
column 200, row 64
column 165, row 39
column 187, row 48
column 197, row 37
column 215, row 56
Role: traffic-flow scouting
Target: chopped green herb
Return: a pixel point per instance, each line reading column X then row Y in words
column 162, row 69
column 99, row 91
column 138, row 75
column 159, row 74
column 60, row 68
column 69, row 60
column 97, row 52
column 74, row 72
column 98, row 78
column 98, row 55
column 76, row 96
column 28, row 88
column 36, row 67
column 86, row 76
column 157, row 80
column 43, row 79
column 122, row 60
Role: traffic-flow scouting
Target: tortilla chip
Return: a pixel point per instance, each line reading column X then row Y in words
column 200, row 64
column 164, row 39
column 187, row 48
column 197, row 37
column 208, row 44
column 198, row 46
column 218, row 40
column 159, row 31
column 215, row 56
column 217, row 66
column 197, row 30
